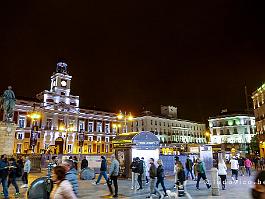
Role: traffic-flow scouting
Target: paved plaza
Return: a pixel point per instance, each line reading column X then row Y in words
column 87, row 190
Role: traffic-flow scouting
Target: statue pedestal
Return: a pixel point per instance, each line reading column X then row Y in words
column 7, row 138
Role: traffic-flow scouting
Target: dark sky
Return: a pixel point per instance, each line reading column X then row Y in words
column 196, row 55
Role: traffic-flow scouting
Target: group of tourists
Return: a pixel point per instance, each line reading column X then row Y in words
column 10, row 170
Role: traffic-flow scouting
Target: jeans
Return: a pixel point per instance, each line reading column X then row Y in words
column 104, row 174
column 133, row 179
column 203, row 176
column 161, row 180
column 25, row 178
column 4, row 185
column 140, row 182
column 248, row 171
column 13, row 181
column 152, row 185
column 223, row 178
column 113, row 179
column 235, row 173
column 187, row 174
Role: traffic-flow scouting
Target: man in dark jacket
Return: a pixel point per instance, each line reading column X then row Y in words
column 3, row 174
column 152, row 175
column 189, row 165
column 133, row 168
column 103, row 171
column 13, row 175
column 84, row 164
column 139, row 171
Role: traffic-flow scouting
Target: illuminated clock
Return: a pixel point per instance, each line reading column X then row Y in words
column 63, row 83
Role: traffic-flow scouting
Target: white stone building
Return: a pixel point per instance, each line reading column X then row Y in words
column 232, row 129
column 169, row 129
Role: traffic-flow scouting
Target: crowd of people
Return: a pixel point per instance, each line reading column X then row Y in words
column 150, row 173
column 10, row 170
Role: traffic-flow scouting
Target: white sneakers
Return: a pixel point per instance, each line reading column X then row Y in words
column 24, row 186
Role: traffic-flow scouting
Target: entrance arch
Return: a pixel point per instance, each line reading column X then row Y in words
column 59, row 145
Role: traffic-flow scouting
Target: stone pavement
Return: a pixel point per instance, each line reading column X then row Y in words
column 87, row 190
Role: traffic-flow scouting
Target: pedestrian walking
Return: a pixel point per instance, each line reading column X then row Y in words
column 181, row 183
column 152, row 175
column 176, row 173
column 4, row 174
column 84, row 164
column 26, row 170
column 160, row 178
column 113, row 176
column 195, row 169
column 133, row 168
column 62, row 187
column 103, row 171
column 222, row 172
column 201, row 174
column 248, row 165
column 12, row 177
column 71, row 174
column 241, row 162
column 189, row 165
column 139, row 171
column 234, row 168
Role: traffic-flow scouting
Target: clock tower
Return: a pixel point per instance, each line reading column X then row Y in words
column 61, row 80
column 59, row 96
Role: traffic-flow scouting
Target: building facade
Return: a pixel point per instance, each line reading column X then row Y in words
column 171, row 132
column 258, row 98
column 234, row 130
column 60, row 126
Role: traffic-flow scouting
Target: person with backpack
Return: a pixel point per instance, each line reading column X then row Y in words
column 189, row 165
column 201, row 174
column 139, row 171
column 13, row 174
column 241, row 166
column 152, row 175
column 181, row 183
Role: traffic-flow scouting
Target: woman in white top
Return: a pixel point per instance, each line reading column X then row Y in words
column 63, row 188
column 222, row 172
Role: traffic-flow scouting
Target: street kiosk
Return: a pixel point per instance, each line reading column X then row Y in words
column 130, row 145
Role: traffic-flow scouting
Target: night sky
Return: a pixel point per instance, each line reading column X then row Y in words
column 137, row 55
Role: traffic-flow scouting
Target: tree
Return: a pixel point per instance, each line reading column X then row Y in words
column 254, row 143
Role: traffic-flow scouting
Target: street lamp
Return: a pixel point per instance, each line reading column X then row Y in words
column 81, row 139
column 34, row 116
column 126, row 117
column 116, row 127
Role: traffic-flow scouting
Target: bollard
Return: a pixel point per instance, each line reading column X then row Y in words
column 215, row 184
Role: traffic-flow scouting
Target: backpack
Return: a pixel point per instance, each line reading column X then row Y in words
column 200, row 168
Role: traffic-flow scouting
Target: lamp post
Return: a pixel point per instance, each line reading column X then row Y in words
column 126, row 117
column 81, row 139
column 34, row 116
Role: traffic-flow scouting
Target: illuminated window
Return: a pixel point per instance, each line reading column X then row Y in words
column 90, row 138
column 107, row 128
column 19, row 148
column 81, row 125
column 22, row 121
column 107, row 139
column 99, row 126
column 20, row 136
column 69, row 148
column 90, row 127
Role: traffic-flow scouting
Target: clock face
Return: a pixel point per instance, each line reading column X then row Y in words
column 63, row 83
